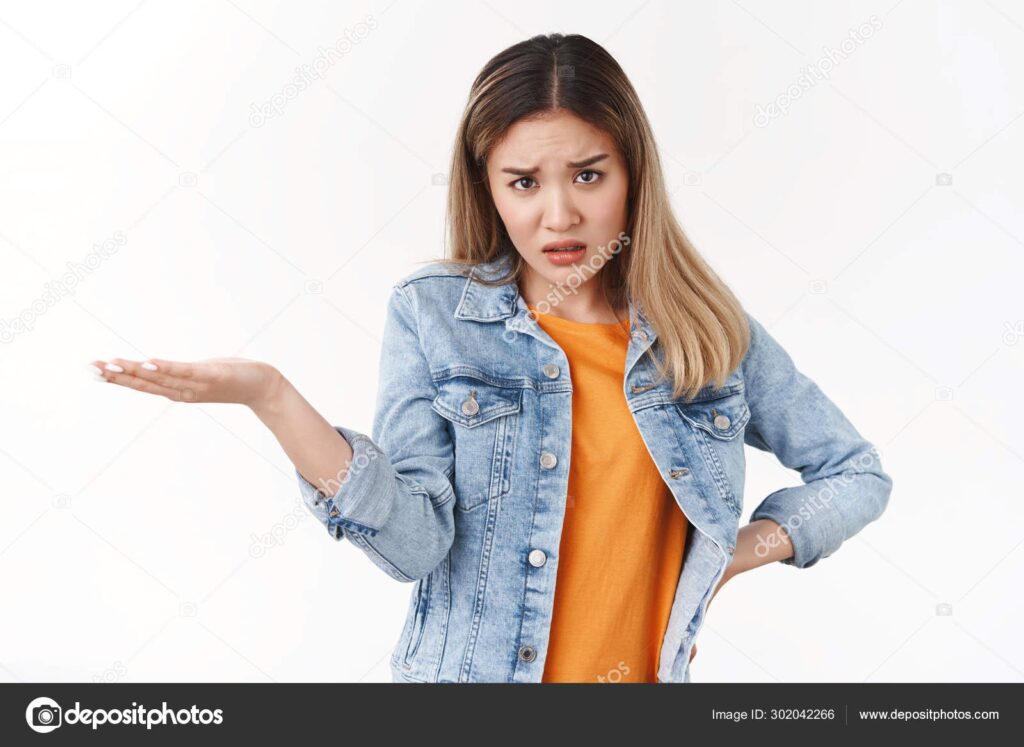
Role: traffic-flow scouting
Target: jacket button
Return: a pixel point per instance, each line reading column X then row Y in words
column 548, row 460
column 527, row 653
column 722, row 422
column 679, row 472
column 538, row 558
column 551, row 371
column 470, row 406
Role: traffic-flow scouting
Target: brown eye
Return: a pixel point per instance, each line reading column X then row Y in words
column 596, row 175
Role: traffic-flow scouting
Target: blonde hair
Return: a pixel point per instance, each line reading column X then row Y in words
column 701, row 326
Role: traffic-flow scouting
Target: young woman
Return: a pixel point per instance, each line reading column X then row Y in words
column 557, row 456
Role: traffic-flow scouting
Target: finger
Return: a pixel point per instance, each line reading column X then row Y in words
column 178, row 370
column 159, row 376
column 97, row 369
column 141, row 385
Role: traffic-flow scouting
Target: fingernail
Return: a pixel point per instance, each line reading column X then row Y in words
column 99, row 378
column 149, row 366
column 114, row 367
column 95, row 370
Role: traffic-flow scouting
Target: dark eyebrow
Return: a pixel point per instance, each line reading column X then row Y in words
column 572, row 164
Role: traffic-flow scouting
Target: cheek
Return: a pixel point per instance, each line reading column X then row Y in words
column 515, row 214
column 608, row 207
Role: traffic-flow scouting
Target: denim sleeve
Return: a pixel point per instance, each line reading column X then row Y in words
column 844, row 487
column 396, row 500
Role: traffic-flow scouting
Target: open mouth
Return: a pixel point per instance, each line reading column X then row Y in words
column 567, row 249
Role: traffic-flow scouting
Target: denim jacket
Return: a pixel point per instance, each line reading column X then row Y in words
column 461, row 489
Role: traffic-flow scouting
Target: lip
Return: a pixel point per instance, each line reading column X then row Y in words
column 563, row 244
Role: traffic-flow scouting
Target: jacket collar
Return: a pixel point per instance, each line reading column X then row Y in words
column 482, row 303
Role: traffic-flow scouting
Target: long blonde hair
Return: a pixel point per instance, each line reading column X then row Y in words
column 701, row 326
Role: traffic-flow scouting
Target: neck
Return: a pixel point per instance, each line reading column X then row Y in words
column 583, row 303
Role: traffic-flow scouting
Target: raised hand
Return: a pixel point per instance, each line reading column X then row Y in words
column 237, row 380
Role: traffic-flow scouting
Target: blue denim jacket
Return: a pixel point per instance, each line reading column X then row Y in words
column 461, row 489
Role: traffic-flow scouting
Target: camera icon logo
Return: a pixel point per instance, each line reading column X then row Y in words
column 43, row 715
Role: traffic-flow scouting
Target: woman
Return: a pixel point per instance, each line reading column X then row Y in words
column 557, row 462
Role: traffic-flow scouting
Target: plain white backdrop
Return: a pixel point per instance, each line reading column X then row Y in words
column 874, row 225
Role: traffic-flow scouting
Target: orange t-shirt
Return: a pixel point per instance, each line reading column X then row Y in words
column 623, row 537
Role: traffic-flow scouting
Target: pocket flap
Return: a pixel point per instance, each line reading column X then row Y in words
column 722, row 418
column 471, row 402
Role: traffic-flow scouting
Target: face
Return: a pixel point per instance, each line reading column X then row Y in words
column 559, row 179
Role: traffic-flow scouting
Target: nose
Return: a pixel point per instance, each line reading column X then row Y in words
column 560, row 212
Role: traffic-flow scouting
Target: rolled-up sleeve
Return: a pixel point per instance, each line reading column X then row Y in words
column 844, row 486
column 396, row 499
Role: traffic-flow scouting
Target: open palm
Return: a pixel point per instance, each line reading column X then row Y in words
column 236, row 380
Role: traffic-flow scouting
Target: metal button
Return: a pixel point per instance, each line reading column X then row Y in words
column 527, row 653
column 641, row 335
column 551, row 370
column 538, row 558
column 680, row 472
column 548, row 460
column 722, row 422
column 471, row 406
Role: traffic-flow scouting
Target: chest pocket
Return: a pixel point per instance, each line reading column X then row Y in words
column 717, row 422
column 723, row 417
column 483, row 422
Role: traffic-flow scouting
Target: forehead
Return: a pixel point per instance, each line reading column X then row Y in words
column 562, row 136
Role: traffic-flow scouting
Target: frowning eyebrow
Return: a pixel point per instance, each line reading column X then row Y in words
column 572, row 164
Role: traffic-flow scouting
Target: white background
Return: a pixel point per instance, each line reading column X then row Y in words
column 126, row 521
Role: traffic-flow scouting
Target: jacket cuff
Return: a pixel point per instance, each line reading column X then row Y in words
column 813, row 524
column 362, row 501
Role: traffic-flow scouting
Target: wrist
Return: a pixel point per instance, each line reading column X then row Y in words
column 271, row 401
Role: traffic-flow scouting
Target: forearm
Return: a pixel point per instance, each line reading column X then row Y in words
column 758, row 543
column 317, row 450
